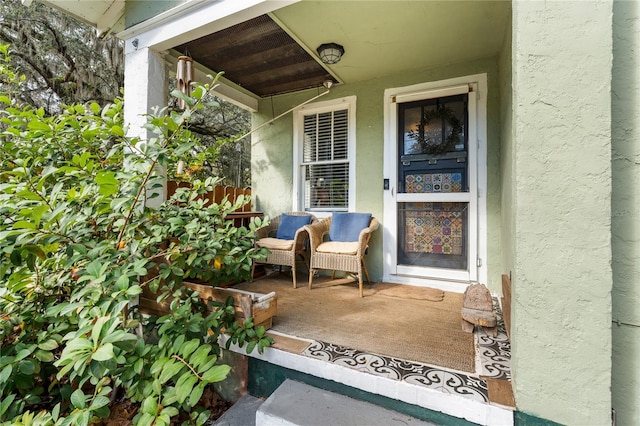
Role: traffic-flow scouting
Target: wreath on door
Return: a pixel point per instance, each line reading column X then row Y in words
column 434, row 146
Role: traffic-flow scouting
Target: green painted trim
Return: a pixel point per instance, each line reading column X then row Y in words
column 264, row 379
column 524, row 419
column 138, row 11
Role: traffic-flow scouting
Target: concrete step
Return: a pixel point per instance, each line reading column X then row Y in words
column 299, row 404
column 242, row 413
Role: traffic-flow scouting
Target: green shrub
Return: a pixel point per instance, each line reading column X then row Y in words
column 78, row 243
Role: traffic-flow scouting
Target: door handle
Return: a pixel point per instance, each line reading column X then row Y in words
column 392, row 189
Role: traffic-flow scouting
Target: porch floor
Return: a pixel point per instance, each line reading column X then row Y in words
column 489, row 385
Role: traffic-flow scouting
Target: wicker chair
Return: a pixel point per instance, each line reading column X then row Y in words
column 337, row 255
column 283, row 252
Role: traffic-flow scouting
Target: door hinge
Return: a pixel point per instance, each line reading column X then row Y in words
column 479, row 262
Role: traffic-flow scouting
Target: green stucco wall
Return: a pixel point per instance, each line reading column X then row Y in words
column 272, row 151
column 562, row 279
column 625, row 204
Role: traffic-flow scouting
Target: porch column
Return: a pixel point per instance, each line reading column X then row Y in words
column 562, row 279
column 625, row 384
column 144, row 88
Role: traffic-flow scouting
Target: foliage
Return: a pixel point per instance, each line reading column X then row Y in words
column 65, row 61
column 78, row 243
column 219, row 152
column 228, row 158
column 247, row 333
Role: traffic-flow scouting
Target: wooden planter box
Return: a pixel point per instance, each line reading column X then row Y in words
column 262, row 307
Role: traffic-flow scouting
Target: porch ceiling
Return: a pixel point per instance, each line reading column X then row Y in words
column 259, row 56
column 268, row 55
column 383, row 38
column 275, row 54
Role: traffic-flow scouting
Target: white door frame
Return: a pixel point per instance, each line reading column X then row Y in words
column 449, row 280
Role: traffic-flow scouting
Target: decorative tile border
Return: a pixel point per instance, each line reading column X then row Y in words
column 495, row 352
column 398, row 369
column 494, row 356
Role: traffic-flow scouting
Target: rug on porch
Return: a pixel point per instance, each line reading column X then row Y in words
column 406, row 328
column 409, row 292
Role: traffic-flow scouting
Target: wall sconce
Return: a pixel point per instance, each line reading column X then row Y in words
column 184, row 75
column 330, row 53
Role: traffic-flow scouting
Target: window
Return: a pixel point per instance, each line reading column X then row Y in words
column 324, row 152
column 433, row 230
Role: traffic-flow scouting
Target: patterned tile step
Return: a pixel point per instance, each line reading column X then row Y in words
column 494, row 354
column 398, row 369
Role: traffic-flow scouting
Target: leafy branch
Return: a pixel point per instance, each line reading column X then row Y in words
column 151, row 168
column 79, row 244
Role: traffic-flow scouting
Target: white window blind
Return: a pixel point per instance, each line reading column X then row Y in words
column 325, row 165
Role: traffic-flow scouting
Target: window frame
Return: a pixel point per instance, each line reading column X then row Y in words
column 348, row 103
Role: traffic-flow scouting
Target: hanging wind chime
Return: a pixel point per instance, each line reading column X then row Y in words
column 184, row 77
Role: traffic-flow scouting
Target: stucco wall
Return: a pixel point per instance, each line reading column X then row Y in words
column 561, row 330
column 625, row 111
column 272, row 157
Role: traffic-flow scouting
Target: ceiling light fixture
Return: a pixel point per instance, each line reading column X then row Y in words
column 330, row 53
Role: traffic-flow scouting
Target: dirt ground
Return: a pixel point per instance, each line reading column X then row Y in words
column 123, row 411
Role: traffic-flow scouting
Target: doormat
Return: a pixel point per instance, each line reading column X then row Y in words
column 410, row 292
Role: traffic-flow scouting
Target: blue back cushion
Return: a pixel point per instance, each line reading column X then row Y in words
column 289, row 224
column 347, row 226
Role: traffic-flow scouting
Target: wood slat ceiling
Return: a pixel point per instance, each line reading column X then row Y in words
column 259, row 56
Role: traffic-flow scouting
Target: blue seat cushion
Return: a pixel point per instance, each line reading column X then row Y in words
column 347, row 226
column 290, row 224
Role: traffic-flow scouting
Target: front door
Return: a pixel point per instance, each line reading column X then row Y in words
column 431, row 208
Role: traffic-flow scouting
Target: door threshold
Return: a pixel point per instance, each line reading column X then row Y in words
column 445, row 285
